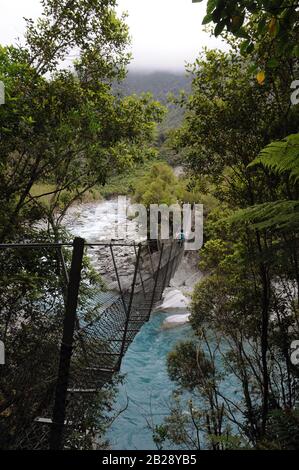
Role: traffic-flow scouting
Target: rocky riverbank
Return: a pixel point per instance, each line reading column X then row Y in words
column 96, row 222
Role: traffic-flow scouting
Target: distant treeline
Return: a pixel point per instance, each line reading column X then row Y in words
column 160, row 84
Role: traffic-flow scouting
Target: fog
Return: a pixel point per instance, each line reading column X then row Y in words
column 165, row 33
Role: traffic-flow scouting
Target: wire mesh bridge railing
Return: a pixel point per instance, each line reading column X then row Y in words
column 81, row 331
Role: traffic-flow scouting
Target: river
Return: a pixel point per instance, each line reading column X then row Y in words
column 146, row 387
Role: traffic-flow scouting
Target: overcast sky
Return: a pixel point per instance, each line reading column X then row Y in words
column 165, row 33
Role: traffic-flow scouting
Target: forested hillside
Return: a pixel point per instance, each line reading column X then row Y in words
column 163, row 86
column 160, row 84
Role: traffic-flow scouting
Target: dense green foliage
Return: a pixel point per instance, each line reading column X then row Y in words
column 66, row 133
column 165, row 87
column 160, row 185
column 267, row 31
column 63, row 133
column 277, row 21
column 243, row 137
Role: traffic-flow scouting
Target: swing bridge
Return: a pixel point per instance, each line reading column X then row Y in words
column 82, row 351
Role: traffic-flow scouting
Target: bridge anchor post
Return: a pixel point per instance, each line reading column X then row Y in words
column 59, row 410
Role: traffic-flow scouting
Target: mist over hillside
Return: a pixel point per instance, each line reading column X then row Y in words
column 160, row 84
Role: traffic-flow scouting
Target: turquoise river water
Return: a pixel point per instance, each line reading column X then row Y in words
column 146, row 385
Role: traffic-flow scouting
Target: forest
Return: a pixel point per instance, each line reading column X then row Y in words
column 231, row 124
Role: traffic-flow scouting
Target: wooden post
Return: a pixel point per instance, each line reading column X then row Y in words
column 58, row 419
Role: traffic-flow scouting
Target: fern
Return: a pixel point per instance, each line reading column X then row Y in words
column 275, row 216
column 281, row 157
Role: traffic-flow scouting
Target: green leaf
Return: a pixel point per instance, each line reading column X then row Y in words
column 253, row 69
column 273, row 63
column 252, row 7
column 296, row 51
column 275, row 216
column 219, row 28
column 281, row 157
column 212, row 4
column 242, row 33
column 250, row 48
column 207, row 19
column 262, row 26
column 237, row 22
column 246, row 47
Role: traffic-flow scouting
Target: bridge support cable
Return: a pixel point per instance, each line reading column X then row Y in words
column 128, row 311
